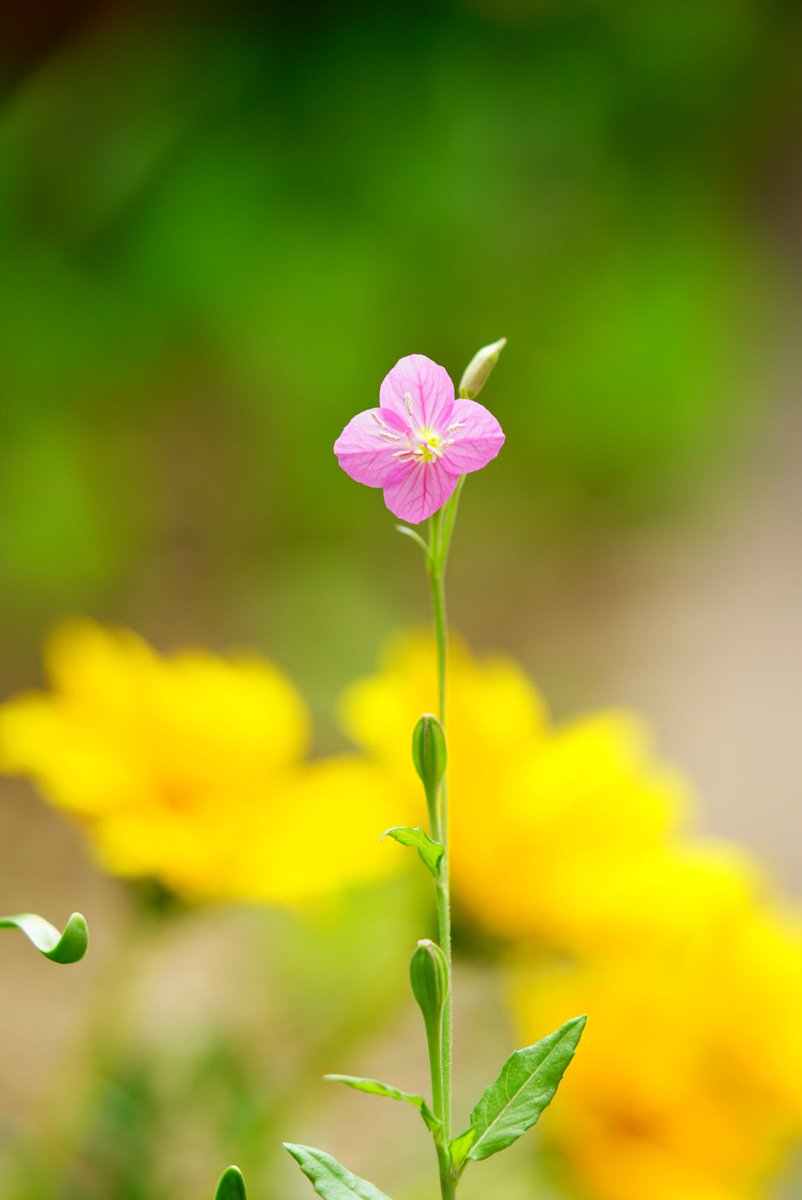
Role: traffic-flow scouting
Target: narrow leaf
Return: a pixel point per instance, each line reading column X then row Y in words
column 375, row 1088
column 231, row 1185
column 66, row 947
column 329, row 1178
column 526, row 1085
column 431, row 852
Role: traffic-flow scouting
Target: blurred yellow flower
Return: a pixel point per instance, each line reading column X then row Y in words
column 572, row 842
column 566, row 835
column 190, row 769
column 689, row 1083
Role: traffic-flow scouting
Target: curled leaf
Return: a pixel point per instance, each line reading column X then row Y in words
column 66, row 947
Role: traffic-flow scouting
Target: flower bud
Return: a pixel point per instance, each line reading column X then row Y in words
column 477, row 372
column 428, row 973
column 429, row 752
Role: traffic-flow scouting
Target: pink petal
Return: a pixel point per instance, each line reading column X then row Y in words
column 423, row 490
column 429, row 386
column 366, row 450
column 478, row 438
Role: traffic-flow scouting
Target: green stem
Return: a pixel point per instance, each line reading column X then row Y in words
column 434, row 1038
column 448, row 1184
column 440, row 539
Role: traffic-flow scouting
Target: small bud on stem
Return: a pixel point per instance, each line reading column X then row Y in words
column 478, row 370
column 428, row 974
column 430, row 756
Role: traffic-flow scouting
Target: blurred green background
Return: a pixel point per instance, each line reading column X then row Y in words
column 221, row 224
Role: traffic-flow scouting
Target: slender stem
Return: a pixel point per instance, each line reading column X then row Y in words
column 449, row 517
column 447, row 1040
column 448, row 1184
column 440, row 539
column 441, row 639
column 434, row 1038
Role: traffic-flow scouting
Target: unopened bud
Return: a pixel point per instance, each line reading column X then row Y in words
column 428, row 973
column 429, row 752
column 477, row 372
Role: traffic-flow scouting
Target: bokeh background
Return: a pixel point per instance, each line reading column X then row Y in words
column 220, row 225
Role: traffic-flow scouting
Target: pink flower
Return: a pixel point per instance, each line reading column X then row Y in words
column 419, row 441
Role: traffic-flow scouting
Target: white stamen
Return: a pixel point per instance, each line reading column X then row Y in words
column 454, row 426
column 408, row 402
column 378, row 420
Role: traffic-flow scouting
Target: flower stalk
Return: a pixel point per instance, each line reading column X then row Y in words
column 418, row 446
column 441, row 531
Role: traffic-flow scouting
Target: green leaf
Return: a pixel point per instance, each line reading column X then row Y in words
column 526, row 1085
column 375, row 1088
column 459, row 1147
column 231, row 1185
column 431, row 852
column 329, row 1178
column 66, row 947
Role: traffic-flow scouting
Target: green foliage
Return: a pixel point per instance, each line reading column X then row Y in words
column 231, row 1185
column 66, row 947
column 374, row 1088
column 430, row 851
column 331, row 1179
column 525, row 1087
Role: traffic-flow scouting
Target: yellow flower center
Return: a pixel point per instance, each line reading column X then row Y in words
column 430, row 445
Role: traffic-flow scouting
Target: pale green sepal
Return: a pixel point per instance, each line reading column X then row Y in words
column 478, row 370
column 231, row 1185
column 459, row 1146
column 430, row 851
column 416, row 537
column 526, row 1085
column 375, row 1088
column 66, row 947
column 331, row 1179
